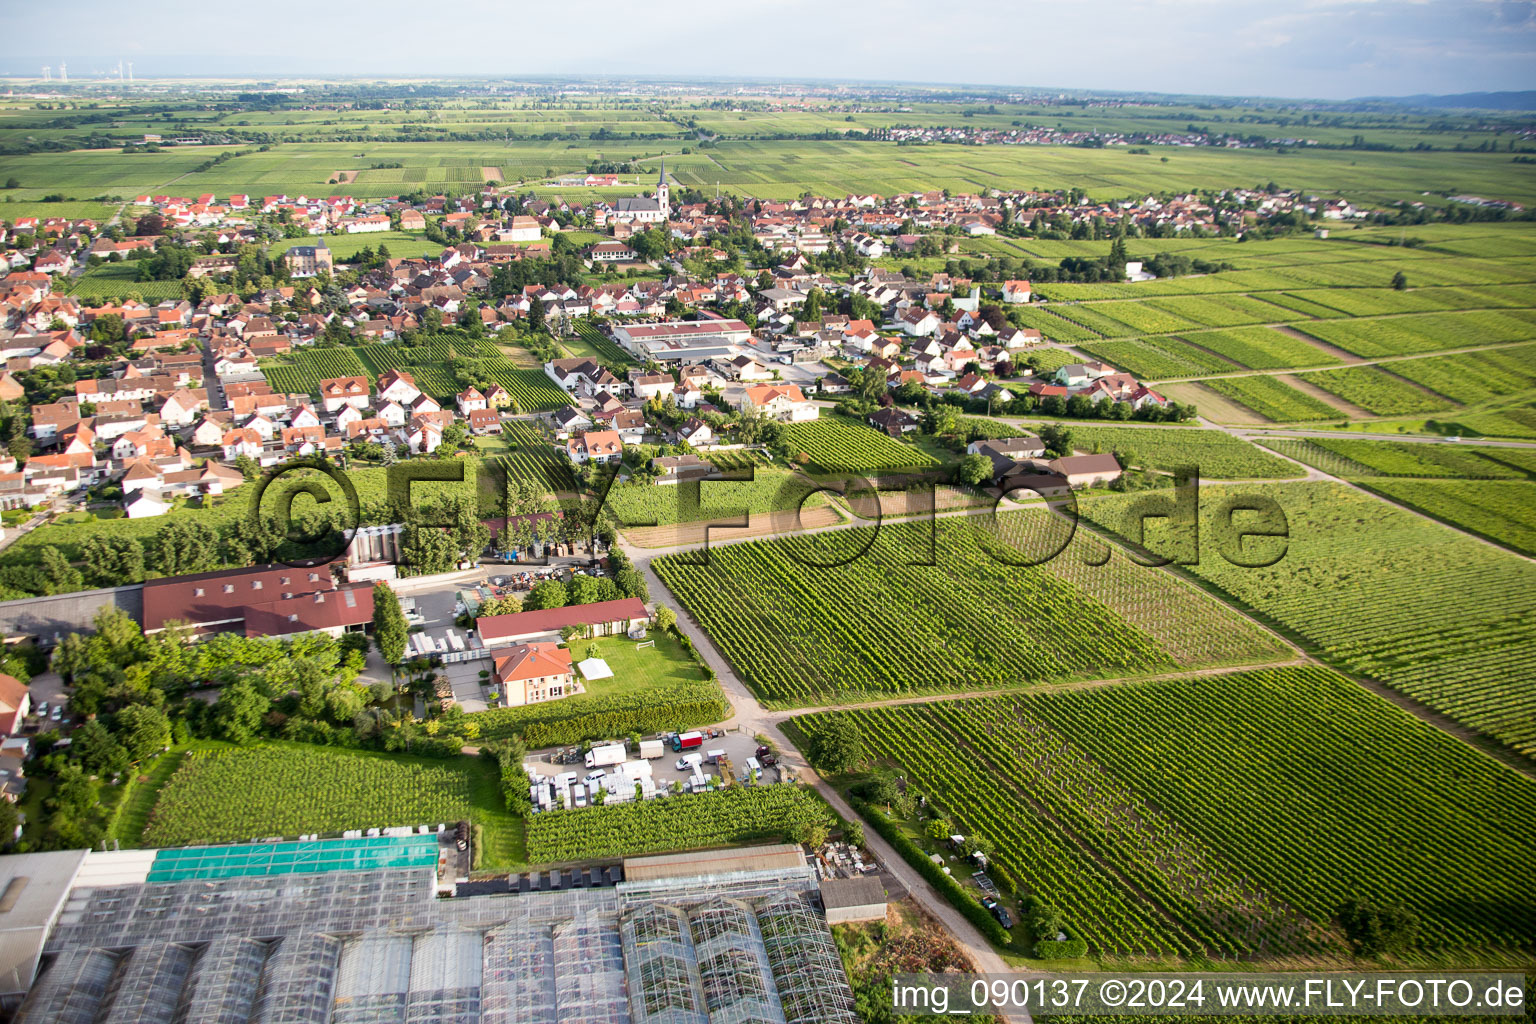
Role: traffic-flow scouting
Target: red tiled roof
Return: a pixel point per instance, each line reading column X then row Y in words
column 551, row 620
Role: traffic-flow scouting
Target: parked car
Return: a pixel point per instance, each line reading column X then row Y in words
column 761, row 751
column 998, row 911
column 58, row 713
column 596, row 776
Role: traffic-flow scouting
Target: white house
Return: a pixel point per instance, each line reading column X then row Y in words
column 1016, row 291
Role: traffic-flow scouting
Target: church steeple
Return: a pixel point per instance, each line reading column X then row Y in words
column 663, row 192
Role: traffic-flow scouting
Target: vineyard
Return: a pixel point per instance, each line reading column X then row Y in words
column 251, row 793
column 1504, row 511
column 1053, row 327
column 1263, row 348
column 1272, row 399
column 442, row 366
column 834, row 444
column 595, row 716
column 695, row 821
column 604, row 349
column 1218, row 455
column 1475, row 376
column 885, row 624
column 1377, row 391
column 1427, row 332
column 534, row 460
column 1225, row 816
column 1442, row 618
column 1160, row 358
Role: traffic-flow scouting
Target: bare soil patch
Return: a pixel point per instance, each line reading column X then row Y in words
column 761, row 524
column 1300, row 383
column 345, row 177
column 491, row 174
column 1214, row 407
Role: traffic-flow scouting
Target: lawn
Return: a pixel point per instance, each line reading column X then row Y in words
column 401, row 244
column 639, row 669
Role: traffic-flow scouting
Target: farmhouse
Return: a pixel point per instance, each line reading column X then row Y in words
column 602, row 618
column 530, row 673
column 1086, row 470
column 265, row 600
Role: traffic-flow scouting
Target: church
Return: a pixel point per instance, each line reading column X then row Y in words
column 644, row 210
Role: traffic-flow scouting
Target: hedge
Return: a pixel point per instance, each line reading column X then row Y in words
column 581, row 718
column 937, row 877
column 1069, row 949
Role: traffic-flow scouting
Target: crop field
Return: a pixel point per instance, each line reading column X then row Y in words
column 1439, row 617
column 1272, row 399
column 1139, row 317
column 1160, row 358
column 1089, row 317
column 604, row 347
column 1223, row 310
column 534, row 460
column 1378, row 391
column 309, row 366
column 1045, row 360
column 1216, row 454
column 690, row 821
column 1262, row 348
column 288, row 789
column 1469, row 377
column 1428, row 332
column 1353, row 457
column 834, row 444
column 1054, row 328
column 1225, row 816
column 1504, row 511
column 119, row 281
column 808, row 620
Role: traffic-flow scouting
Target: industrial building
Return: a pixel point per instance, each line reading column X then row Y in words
column 302, row 935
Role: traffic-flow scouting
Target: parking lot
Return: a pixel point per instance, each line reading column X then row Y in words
column 738, row 746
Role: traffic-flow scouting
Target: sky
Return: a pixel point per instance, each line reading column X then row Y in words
column 1323, row 49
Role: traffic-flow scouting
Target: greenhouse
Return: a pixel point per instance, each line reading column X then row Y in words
column 366, row 947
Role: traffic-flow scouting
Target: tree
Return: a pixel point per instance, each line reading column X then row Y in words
column 59, row 576
column 1379, row 928
column 837, row 747
column 113, row 561
column 142, row 730
column 666, row 618
column 973, row 470
column 238, row 712
column 1400, row 281
column 545, row 595
column 98, row 751
column 389, row 627
column 853, row 833
column 1058, row 440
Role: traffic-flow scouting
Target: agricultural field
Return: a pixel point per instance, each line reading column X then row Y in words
column 689, row 821
column 769, row 490
column 836, row 444
column 1159, row 358
column 1262, row 348
column 603, row 348
column 1217, row 455
column 846, row 617
column 1504, row 511
column 1053, row 327
column 120, row 281
column 1470, row 377
column 287, row 789
column 1381, row 592
column 1426, row 332
column 1272, row 399
column 1355, row 458
column 1377, row 391
column 534, row 460
column 1225, row 816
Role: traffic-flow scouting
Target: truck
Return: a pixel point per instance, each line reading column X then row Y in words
column 652, row 749
column 687, row 741
column 606, row 754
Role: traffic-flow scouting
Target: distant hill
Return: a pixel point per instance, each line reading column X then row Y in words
column 1525, row 100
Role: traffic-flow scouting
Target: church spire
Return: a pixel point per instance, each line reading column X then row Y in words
column 661, row 179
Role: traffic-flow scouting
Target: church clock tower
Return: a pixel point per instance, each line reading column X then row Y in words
column 663, row 193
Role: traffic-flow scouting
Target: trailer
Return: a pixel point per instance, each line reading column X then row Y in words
column 714, row 756
column 652, row 749
column 687, row 741
column 608, row 753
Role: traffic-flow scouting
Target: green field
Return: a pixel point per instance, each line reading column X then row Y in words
column 1226, row 817
column 690, row 821
column 120, row 281
column 836, row 444
column 1442, row 618
column 1378, row 391
column 783, row 611
column 1272, row 399
column 1217, row 455
column 285, row 789
column 1504, row 511
column 769, row 490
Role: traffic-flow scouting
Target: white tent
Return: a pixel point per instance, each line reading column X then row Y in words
column 595, row 668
